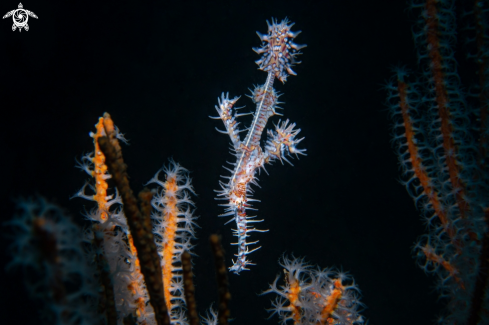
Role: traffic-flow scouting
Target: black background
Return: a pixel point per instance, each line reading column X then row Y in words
column 158, row 68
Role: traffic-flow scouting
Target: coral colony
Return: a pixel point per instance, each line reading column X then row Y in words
column 441, row 135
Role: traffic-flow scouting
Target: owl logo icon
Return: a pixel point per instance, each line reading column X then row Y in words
column 20, row 17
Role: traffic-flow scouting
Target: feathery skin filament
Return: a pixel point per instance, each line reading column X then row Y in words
column 278, row 56
column 174, row 224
